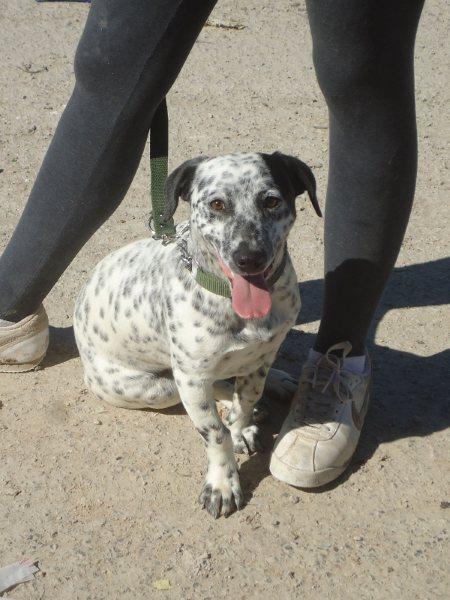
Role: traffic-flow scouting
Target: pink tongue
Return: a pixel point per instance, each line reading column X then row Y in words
column 250, row 296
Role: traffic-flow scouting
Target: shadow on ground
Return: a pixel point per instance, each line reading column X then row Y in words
column 62, row 347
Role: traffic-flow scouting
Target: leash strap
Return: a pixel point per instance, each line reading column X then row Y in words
column 159, row 147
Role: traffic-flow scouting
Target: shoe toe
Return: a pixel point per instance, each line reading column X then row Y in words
column 295, row 452
column 337, row 451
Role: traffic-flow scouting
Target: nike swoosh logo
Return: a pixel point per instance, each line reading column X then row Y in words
column 359, row 416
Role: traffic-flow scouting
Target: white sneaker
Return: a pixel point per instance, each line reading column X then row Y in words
column 23, row 345
column 321, row 432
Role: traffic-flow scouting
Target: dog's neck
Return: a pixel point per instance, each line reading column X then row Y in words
column 203, row 256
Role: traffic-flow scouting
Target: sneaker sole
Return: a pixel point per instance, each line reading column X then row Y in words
column 304, row 479
column 21, row 368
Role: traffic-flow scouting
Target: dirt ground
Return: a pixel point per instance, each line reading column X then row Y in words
column 106, row 498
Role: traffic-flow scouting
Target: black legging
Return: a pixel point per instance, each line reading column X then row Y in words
column 129, row 56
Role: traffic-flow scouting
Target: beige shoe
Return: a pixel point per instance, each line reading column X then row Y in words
column 23, row 345
column 321, row 432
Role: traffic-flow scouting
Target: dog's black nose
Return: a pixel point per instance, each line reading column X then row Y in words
column 249, row 261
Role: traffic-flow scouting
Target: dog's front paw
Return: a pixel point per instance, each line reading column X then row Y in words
column 247, row 440
column 221, row 492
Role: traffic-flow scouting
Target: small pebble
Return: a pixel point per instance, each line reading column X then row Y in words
column 205, row 556
column 161, row 584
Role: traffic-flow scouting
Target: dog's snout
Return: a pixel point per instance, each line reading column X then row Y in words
column 249, row 261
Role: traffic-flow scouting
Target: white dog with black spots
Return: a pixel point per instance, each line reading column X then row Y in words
column 150, row 335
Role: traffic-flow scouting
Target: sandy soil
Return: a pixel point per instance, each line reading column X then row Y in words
column 106, row 498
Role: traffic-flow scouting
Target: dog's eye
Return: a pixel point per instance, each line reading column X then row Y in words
column 217, row 205
column 271, row 202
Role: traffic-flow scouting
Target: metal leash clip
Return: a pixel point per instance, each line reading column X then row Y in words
column 164, row 238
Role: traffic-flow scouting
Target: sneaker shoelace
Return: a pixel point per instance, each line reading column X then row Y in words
column 325, row 382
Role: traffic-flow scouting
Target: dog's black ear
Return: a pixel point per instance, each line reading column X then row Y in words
column 178, row 185
column 293, row 176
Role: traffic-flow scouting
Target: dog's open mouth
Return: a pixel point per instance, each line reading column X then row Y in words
column 250, row 295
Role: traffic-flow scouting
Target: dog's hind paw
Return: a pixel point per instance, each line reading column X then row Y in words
column 247, row 440
column 221, row 493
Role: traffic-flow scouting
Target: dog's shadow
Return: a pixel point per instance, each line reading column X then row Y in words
column 410, row 393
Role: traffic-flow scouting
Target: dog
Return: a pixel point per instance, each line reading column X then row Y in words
column 150, row 335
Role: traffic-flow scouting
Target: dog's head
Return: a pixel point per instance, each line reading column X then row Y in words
column 242, row 208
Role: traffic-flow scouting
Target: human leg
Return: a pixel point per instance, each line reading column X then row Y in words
column 128, row 57
column 363, row 54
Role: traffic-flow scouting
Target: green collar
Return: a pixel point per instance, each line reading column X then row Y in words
column 217, row 285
